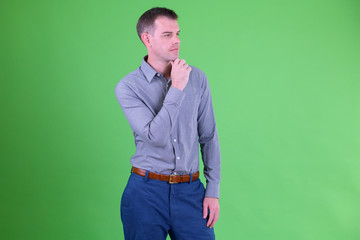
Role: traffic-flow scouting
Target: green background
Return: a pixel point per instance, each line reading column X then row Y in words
column 284, row 77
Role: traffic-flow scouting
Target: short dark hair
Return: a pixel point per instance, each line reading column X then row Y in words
column 146, row 21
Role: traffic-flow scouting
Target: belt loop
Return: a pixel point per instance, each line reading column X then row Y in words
column 146, row 176
column 191, row 177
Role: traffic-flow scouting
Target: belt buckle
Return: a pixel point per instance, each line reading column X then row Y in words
column 170, row 179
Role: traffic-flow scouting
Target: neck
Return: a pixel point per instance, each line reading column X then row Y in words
column 163, row 67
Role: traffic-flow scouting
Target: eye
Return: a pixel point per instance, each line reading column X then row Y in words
column 167, row 35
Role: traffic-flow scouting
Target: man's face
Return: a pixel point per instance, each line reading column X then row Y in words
column 165, row 42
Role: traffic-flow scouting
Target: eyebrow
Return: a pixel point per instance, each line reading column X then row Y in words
column 169, row 32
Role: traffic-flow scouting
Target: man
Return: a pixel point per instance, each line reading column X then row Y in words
column 169, row 108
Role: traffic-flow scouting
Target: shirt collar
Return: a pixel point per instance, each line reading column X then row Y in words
column 148, row 71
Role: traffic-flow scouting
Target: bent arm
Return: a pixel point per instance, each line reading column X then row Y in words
column 154, row 129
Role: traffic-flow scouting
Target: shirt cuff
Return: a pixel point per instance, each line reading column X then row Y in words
column 212, row 190
column 174, row 96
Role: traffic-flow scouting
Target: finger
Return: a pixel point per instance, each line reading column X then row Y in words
column 216, row 217
column 182, row 62
column 188, row 69
column 205, row 210
column 171, row 62
column 211, row 218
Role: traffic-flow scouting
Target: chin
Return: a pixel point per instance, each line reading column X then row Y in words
column 175, row 57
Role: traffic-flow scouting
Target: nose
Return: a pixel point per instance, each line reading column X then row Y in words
column 177, row 39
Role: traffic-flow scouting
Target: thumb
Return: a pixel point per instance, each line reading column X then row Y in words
column 171, row 62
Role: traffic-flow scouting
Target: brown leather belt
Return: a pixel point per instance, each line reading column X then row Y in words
column 166, row 178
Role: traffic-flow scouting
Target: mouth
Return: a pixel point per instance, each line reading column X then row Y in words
column 174, row 50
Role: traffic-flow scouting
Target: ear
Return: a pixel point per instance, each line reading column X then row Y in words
column 146, row 39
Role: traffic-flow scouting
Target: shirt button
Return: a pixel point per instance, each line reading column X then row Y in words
column 175, row 140
column 178, row 158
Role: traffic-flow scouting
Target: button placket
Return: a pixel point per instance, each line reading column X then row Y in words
column 176, row 150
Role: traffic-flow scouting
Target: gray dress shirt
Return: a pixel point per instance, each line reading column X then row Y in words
column 169, row 124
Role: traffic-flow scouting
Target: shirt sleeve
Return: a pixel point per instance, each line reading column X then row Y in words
column 209, row 142
column 154, row 129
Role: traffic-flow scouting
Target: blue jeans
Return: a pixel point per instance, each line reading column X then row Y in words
column 152, row 209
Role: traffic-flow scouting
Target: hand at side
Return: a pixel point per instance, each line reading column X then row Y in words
column 211, row 204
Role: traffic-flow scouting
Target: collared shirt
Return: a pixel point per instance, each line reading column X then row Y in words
column 169, row 124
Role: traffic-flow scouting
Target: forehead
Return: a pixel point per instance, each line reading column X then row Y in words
column 165, row 24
